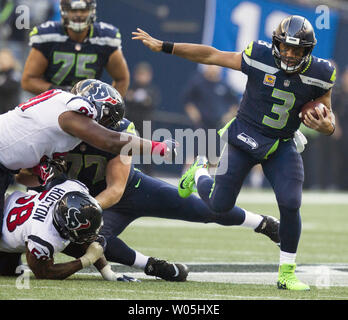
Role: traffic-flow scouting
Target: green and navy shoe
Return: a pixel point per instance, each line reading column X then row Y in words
column 287, row 279
column 187, row 181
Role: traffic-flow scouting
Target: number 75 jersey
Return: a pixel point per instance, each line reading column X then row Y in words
column 273, row 98
column 70, row 61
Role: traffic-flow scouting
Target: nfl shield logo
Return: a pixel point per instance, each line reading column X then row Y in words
column 286, row 83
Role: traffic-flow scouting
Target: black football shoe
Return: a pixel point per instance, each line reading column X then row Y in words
column 166, row 271
column 269, row 226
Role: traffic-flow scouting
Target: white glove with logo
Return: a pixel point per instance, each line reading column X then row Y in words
column 300, row 141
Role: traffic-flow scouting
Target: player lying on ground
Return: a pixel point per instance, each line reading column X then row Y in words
column 43, row 224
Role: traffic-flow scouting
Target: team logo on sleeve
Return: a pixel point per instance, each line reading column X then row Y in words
column 75, row 221
column 269, row 80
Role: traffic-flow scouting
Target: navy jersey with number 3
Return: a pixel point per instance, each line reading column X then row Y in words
column 70, row 61
column 273, row 98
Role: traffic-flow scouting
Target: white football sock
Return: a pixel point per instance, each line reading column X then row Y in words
column 140, row 260
column 201, row 172
column 287, row 257
column 252, row 220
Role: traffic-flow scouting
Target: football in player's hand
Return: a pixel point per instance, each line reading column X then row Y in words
column 310, row 107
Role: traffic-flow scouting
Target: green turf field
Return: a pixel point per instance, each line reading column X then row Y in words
column 226, row 263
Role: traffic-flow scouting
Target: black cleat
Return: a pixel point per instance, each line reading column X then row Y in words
column 166, row 271
column 269, row 226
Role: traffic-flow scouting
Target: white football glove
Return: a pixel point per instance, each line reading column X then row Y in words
column 93, row 253
column 109, row 275
column 300, row 141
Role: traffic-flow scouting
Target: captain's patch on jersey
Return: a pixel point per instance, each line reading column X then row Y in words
column 269, row 80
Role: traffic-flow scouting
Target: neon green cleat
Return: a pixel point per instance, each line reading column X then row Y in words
column 187, row 181
column 287, row 279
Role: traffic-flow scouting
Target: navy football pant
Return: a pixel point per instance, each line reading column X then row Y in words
column 149, row 197
column 284, row 171
column 155, row 198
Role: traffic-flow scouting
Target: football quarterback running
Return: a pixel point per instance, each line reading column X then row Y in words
column 282, row 77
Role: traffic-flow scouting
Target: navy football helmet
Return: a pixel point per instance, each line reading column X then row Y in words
column 77, row 23
column 107, row 100
column 295, row 31
column 78, row 217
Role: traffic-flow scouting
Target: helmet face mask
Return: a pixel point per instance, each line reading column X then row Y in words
column 78, row 217
column 78, row 15
column 107, row 100
column 297, row 33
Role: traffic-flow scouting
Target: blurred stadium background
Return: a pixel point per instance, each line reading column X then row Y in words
column 227, row 25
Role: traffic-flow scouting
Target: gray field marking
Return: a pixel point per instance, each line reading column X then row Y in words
column 319, row 275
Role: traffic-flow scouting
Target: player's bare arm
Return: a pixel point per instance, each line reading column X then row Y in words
column 91, row 132
column 47, row 269
column 34, row 69
column 194, row 52
column 118, row 69
column 27, row 178
column 325, row 124
column 117, row 172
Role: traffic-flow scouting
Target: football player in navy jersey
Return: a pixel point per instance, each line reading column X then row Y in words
column 282, row 77
column 125, row 194
column 74, row 49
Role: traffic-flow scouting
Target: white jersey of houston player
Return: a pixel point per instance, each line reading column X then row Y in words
column 28, row 219
column 32, row 131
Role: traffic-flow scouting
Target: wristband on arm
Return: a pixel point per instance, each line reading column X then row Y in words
column 168, row 47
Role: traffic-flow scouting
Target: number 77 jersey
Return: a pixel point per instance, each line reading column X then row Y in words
column 273, row 98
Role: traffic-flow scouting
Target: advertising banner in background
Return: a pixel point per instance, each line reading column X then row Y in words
column 231, row 25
